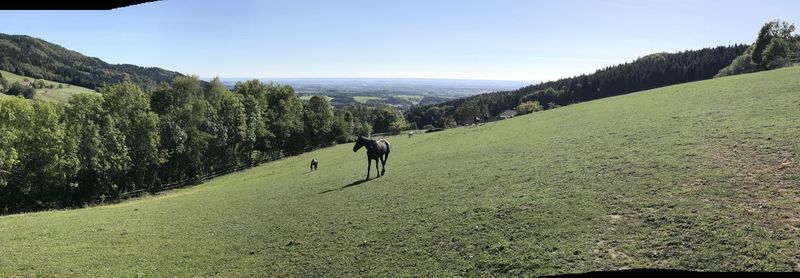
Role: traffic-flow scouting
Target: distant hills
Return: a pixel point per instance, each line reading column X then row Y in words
column 37, row 58
column 414, row 86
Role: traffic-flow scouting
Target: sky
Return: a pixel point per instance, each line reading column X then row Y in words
column 525, row 40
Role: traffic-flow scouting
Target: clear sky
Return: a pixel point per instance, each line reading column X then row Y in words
column 464, row 39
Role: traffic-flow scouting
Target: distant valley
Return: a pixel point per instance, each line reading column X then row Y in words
column 397, row 92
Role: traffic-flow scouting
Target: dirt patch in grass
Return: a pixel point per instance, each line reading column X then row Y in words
column 758, row 177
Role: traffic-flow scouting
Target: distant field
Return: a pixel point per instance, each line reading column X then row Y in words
column 364, row 99
column 412, row 98
column 56, row 95
column 699, row 176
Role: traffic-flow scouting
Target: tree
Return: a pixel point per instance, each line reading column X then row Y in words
column 14, row 113
column 383, row 117
column 342, row 130
column 229, row 125
column 258, row 138
column 319, row 121
column 398, row 125
column 46, row 162
column 775, row 31
column 18, row 89
column 285, row 118
column 467, row 111
column 529, row 107
column 99, row 146
column 129, row 107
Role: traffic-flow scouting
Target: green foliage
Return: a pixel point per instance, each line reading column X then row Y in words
column 18, row 89
column 319, row 119
column 129, row 106
column 529, row 107
column 467, row 112
column 15, row 114
column 398, row 125
column 99, row 145
column 774, row 47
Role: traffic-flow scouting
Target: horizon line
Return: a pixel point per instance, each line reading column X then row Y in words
column 423, row 78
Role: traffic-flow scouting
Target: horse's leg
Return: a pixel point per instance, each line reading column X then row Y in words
column 369, row 165
column 377, row 171
column 385, row 158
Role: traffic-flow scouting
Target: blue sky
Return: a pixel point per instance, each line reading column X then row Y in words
column 463, row 39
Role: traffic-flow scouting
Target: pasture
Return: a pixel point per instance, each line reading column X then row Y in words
column 698, row 176
column 56, row 95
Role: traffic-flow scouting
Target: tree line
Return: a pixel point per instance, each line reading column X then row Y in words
column 652, row 71
column 100, row 146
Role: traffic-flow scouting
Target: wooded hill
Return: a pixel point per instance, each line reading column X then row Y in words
column 37, row 58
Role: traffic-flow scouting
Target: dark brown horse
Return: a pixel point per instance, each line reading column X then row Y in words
column 314, row 163
column 377, row 150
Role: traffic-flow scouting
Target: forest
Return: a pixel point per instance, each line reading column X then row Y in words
column 99, row 147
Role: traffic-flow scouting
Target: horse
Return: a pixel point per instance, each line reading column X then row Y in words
column 410, row 133
column 377, row 150
column 314, row 163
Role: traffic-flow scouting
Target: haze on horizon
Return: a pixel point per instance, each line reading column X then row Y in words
column 448, row 39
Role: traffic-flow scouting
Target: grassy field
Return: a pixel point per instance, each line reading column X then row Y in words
column 57, row 95
column 699, row 176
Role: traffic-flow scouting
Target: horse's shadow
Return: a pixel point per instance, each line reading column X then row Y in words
column 346, row 186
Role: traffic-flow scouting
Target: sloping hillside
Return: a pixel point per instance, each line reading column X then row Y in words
column 60, row 92
column 699, row 176
column 40, row 59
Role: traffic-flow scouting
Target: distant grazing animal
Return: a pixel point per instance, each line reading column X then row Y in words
column 476, row 120
column 377, row 150
column 410, row 133
column 314, row 163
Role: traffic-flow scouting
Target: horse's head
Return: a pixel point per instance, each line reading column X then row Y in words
column 359, row 143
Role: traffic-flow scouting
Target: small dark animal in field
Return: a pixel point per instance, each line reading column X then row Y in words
column 410, row 133
column 377, row 150
column 314, row 163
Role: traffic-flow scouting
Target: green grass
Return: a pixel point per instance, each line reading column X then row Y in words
column 364, row 99
column 56, row 95
column 699, row 176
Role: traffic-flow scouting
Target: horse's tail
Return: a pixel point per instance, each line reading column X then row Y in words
column 385, row 158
